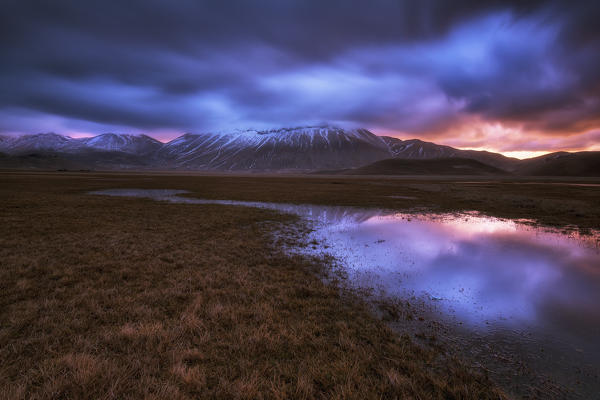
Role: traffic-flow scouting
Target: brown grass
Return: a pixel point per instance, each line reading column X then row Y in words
column 125, row 298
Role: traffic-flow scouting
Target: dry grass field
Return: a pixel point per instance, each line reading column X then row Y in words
column 113, row 298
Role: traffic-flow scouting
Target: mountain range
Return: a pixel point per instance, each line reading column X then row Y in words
column 299, row 149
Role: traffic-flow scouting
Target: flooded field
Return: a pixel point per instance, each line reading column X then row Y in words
column 519, row 300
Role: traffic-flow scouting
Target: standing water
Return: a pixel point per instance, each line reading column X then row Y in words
column 522, row 301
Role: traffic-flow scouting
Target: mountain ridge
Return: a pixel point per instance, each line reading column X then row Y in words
column 307, row 148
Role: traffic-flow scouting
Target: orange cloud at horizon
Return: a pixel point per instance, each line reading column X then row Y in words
column 511, row 141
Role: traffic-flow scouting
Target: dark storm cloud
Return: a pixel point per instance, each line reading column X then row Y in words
column 410, row 66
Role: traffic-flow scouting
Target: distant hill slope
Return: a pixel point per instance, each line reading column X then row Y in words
column 584, row 163
column 436, row 166
column 420, row 150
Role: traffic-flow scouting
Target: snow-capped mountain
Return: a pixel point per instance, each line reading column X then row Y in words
column 299, row 149
column 52, row 142
column 133, row 144
column 304, row 148
column 38, row 142
column 4, row 142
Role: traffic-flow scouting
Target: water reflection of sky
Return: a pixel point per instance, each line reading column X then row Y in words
column 481, row 268
column 473, row 268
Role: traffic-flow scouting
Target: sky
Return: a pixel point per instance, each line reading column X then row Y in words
column 517, row 77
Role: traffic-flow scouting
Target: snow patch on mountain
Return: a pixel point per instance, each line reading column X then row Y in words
column 135, row 144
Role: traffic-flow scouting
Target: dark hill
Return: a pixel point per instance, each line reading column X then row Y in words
column 438, row 166
column 50, row 160
column 584, row 163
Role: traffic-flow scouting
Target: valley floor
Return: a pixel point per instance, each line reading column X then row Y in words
column 130, row 298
